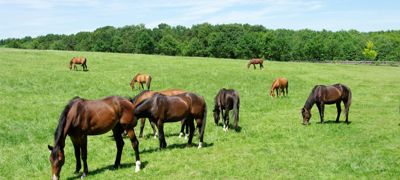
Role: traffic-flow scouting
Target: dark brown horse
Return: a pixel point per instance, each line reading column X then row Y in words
column 78, row 60
column 322, row 95
column 141, row 78
column 161, row 109
column 226, row 100
column 81, row 118
column 279, row 84
column 147, row 94
column 254, row 62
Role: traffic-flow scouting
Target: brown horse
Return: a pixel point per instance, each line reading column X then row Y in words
column 279, row 84
column 147, row 94
column 161, row 109
column 322, row 95
column 78, row 60
column 254, row 62
column 141, row 78
column 225, row 100
column 81, row 118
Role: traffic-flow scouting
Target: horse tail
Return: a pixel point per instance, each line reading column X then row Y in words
column 236, row 106
column 58, row 134
column 148, row 82
column 349, row 96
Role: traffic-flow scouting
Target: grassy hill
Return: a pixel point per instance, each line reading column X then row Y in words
column 36, row 85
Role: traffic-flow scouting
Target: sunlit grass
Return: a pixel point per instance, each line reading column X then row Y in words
column 272, row 143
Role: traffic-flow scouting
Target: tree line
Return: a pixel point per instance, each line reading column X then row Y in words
column 237, row 41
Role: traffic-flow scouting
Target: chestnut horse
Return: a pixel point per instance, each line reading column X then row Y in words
column 81, row 118
column 78, row 60
column 225, row 100
column 141, row 78
column 322, row 95
column 279, row 84
column 254, row 62
column 147, row 94
column 161, row 109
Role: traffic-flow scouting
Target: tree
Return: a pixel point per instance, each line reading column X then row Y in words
column 368, row 52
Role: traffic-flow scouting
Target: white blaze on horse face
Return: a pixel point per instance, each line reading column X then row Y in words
column 137, row 169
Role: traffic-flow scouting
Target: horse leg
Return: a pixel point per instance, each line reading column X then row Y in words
column 189, row 122
column 135, row 146
column 119, row 142
column 339, row 110
column 84, row 155
column 277, row 92
column 161, row 137
column 182, row 132
column 142, row 122
column 254, row 65
column 77, row 149
column 320, row 109
column 261, row 66
column 226, row 120
column 287, row 92
column 201, row 124
column 153, row 126
column 142, row 85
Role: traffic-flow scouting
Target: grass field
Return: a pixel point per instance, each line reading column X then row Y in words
column 36, row 85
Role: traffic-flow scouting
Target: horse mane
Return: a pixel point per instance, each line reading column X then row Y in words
column 62, row 120
column 134, row 99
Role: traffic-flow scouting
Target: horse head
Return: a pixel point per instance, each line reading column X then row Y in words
column 306, row 115
column 56, row 160
column 271, row 93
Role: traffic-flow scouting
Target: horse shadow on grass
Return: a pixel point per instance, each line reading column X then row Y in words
column 176, row 146
column 109, row 167
column 333, row 122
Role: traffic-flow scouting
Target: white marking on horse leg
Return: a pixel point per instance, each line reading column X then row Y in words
column 137, row 169
column 54, row 177
column 180, row 135
column 200, row 145
column 186, row 136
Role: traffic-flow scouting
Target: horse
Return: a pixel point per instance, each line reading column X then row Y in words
column 254, row 62
column 322, row 95
column 279, row 84
column 141, row 78
column 78, row 60
column 226, row 100
column 161, row 109
column 81, row 118
column 147, row 94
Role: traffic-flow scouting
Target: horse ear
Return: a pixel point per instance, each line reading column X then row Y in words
column 50, row 147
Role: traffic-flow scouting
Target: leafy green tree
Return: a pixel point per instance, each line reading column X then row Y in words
column 368, row 52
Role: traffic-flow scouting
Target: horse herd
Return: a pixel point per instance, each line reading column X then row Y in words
column 82, row 117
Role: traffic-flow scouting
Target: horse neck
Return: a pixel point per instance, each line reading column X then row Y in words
column 274, row 85
column 310, row 102
column 61, row 134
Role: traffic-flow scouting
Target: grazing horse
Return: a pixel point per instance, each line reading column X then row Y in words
column 254, row 62
column 81, row 118
column 141, row 78
column 225, row 100
column 279, row 84
column 78, row 60
column 147, row 94
column 161, row 109
column 322, row 95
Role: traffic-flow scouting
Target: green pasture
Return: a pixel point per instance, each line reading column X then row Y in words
column 272, row 143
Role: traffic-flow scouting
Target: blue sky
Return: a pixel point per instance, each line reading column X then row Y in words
column 21, row 18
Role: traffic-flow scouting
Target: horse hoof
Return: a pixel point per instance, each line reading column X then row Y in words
column 200, row 145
